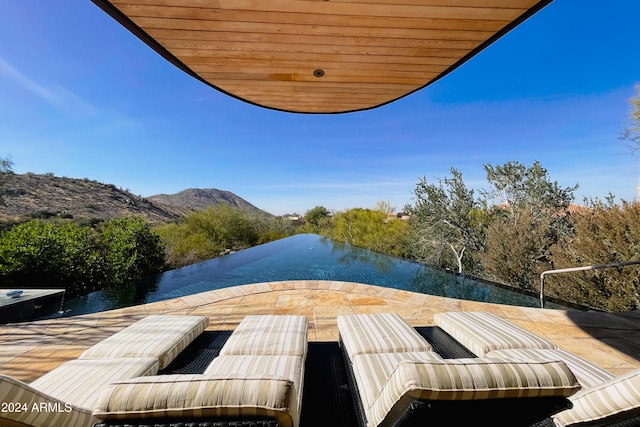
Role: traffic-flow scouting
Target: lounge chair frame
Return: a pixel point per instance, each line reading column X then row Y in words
column 632, row 422
column 439, row 412
column 195, row 423
column 200, row 355
column 465, row 411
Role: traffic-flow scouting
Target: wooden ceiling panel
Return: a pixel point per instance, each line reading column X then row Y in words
column 319, row 56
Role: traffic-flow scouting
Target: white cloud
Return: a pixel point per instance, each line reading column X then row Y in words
column 25, row 82
column 58, row 97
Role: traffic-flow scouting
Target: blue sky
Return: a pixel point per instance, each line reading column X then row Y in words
column 81, row 97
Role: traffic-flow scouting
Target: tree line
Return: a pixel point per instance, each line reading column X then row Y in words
column 510, row 232
column 522, row 224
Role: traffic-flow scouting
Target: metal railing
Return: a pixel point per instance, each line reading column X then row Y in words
column 586, row 268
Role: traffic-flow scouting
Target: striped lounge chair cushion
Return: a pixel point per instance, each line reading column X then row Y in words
column 159, row 336
column 49, row 411
column 379, row 333
column 371, row 371
column 201, row 396
column 467, row 379
column 269, row 335
column 614, row 400
column 288, row 367
column 79, row 381
column 587, row 373
column 484, row 332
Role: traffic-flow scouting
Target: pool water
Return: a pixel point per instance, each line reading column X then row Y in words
column 300, row 257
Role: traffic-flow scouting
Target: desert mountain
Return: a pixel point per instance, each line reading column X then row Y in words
column 34, row 195
column 201, row 198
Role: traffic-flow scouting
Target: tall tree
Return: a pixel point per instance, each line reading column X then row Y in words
column 533, row 210
column 632, row 132
column 6, row 170
column 316, row 215
column 317, row 220
column 447, row 223
column 518, row 187
column 385, row 206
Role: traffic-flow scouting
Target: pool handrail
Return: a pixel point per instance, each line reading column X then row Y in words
column 585, row 268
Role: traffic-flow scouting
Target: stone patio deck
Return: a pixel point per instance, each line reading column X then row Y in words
column 29, row 350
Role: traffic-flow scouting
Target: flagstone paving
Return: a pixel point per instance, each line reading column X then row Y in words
column 29, row 350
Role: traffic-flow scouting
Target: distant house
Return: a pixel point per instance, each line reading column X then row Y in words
column 295, row 219
column 399, row 215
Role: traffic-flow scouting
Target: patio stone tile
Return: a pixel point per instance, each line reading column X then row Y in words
column 247, row 309
column 288, row 300
column 360, row 288
column 196, row 300
column 228, row 302
column 357, row 300
column 342, row 286
column 324, row 297
column 401, row 295
column 453, row 305
column 416, row 316
column 277, row 286
column 330, row 313
column 27, row 350
column 269, row 299
column 373, row 309
column 295, row 311
column 324, row 285
column 328, row 334
column 418, row 299
column 386, row 293
column 307, row 284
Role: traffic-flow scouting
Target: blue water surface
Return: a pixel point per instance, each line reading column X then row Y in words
column 300, row 257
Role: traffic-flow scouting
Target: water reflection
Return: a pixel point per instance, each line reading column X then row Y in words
column 347, row 255
column 300, row 257
column 132, row 295
column 436, row 282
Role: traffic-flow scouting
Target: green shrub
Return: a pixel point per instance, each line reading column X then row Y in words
column 208, row 233
column 606, row 234
column 131, row 250
column 79, row 259
column 36, row 254
column 183, row 247
column 370, row 229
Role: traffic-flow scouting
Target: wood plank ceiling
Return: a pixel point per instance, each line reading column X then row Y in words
column 319, row 56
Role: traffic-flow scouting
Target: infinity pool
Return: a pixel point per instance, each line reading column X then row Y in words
column 300, row 257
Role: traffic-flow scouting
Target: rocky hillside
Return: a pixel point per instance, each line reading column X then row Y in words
column 32, row 195
column 201, row 198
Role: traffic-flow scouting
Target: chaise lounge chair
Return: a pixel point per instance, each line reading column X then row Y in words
column 66, row 396
column 398, row 380
column 160, row 336
column 605, row 400
column 256, row 380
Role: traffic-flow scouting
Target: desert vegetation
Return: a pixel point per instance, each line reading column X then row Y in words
column 519, row 225
column 218, row 230
column 80, row 259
